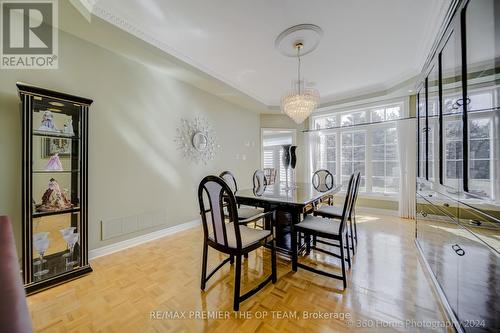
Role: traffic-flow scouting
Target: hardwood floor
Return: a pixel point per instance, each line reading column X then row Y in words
column 385, row 285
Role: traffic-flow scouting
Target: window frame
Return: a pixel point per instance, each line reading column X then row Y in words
column 369, row 128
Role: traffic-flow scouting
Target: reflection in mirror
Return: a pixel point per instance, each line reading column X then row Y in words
column 483, row 75
column 451, row 74
column 421, row 132
column 433, row 122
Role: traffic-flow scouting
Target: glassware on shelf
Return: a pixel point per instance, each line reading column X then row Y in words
column 38, row 236
column 68, row 128
column 71, row 239
column 41, row 245
column 65, row 232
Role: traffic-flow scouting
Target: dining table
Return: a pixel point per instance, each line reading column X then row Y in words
column 287, row 200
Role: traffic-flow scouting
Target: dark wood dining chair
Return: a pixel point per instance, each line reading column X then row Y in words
column 244, row 212
column 332, row 229
column 270, row 174
column 233, row 238
column 323, row 180
column 335, row 212
column 259, row 179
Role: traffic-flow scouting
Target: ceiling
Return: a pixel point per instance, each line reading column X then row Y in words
column 367, row 45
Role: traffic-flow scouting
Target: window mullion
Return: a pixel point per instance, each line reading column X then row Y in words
column 368, row 161
column 338, row 156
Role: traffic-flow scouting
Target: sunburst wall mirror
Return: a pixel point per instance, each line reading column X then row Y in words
column 196, row 139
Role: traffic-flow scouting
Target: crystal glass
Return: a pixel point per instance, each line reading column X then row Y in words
column 65, row 232
column 41, row 245
column 36, row 237
column 71, row 239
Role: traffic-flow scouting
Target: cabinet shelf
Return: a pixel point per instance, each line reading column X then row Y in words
column 55, row 135
column 55, row 172
column 56, row 212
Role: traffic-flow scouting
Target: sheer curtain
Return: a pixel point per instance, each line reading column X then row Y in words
column 407, row 152
column 312, row 142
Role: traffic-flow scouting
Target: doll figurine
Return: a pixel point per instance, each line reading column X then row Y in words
column 48, row 122
column 54, row 199
column 54, row 164
column 68, row 128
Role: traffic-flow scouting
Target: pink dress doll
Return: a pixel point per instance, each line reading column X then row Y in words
column 54, row 164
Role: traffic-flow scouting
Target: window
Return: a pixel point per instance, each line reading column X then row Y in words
column 353, row 156
column 327, row 157
column 385, row 164
column 326, row 122
column 390, row 113
column 353, row 118
column 370, row 148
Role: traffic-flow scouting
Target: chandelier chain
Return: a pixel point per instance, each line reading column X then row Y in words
column 300, row 102
column 298, row 70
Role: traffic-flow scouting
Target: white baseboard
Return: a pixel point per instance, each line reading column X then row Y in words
column 378, row 211
column 112, row 248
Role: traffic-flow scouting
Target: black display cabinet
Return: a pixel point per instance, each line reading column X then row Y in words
column 54, row 187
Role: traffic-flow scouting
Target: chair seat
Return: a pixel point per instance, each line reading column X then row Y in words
column 247, row 212
column 319, row 224
column 249, row 236
column 329, row 211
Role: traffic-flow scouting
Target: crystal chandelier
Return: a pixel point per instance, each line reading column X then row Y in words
column 300, row 102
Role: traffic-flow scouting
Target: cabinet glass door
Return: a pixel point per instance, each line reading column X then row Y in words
column 452, row 109
column 482, row 22
column 422, row 128
column 436, row 235
column 482, row 30
column 433, row 123
column 479, row 284
column 55, row 165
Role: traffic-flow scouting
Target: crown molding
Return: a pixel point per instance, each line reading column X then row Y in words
column 439, row 10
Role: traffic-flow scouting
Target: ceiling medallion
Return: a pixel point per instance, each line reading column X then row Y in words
column 196, row 139
column 300, row 102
